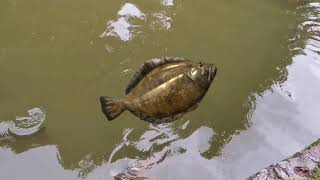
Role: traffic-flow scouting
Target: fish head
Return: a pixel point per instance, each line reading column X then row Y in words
column 203, row 74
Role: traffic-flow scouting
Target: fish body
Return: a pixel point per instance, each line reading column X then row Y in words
column 162, row 90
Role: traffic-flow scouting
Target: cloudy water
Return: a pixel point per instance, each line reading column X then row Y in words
column 58, row 57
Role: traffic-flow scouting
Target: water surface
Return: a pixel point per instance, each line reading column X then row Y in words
column 62, row 55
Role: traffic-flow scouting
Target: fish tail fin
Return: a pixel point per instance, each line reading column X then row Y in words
column 111, row 108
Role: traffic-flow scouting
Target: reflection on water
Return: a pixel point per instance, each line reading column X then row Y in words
column 264, row 108
column 161, row 21
column 23, row 126
column 123, row 143
column 167, row 2
column 130, row 10
column 285, row 118
column 4, row 127
column 132, row 21
column 121, row 27
column 160, row 143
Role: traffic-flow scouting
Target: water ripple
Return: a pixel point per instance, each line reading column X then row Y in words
column 162, row 143
column 23, row 126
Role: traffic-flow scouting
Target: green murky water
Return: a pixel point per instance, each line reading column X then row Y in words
column 61, row 56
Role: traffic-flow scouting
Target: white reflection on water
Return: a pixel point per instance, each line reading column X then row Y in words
column 157, row 136
column 4, row 127
column 280, row 126
column 315, row 4
column 23, row 126
column 285, row 119
column 161, row 21
column 132, row 21
column 36, row 163
column 167, row 2
column 122, row 28
column 130, row 10
column 123, row 143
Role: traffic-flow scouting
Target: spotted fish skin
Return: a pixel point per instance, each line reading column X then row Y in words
column 162, row 90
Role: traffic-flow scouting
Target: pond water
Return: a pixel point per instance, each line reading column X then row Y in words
column 60, row 56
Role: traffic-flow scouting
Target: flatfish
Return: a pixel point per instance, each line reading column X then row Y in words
column 162, row 90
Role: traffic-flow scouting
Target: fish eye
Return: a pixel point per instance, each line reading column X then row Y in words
column 200, row 64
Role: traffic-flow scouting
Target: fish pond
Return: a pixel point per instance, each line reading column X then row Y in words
column 58, row 57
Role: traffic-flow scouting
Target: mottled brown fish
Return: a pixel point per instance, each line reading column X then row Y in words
column 162, row 90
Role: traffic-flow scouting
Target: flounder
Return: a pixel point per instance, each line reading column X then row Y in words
column 162, row 90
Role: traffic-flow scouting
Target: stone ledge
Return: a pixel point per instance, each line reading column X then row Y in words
column 301, row 165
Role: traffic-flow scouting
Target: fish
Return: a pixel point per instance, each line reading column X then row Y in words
column 162, row 90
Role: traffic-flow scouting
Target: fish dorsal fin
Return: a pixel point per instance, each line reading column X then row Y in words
column 148, row 66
